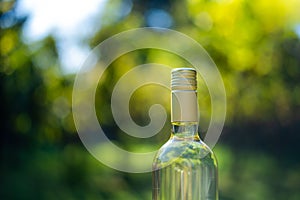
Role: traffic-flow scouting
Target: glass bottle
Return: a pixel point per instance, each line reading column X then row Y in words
column 184, row 168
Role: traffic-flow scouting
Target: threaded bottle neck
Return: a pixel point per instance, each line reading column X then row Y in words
column 184, row 79
column 184, row 96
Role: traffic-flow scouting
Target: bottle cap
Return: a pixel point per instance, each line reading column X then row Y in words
column 184, row 79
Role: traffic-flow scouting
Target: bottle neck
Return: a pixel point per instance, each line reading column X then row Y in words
column 185, row 129
column 184, row 113
column 184, row 105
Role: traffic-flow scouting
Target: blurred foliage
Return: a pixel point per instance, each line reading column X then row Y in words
column 254, row 44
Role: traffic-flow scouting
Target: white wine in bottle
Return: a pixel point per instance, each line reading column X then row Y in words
column 184, row 168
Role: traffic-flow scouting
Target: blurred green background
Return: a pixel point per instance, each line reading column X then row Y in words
column 256, row 46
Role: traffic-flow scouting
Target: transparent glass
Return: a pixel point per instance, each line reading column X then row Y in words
column 185, row 168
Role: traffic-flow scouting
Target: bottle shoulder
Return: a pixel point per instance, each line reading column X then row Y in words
column 178, row 150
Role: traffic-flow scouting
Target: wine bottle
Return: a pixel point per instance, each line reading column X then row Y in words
column 184, row 168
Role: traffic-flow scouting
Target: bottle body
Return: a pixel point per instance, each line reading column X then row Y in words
column 185, row 169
